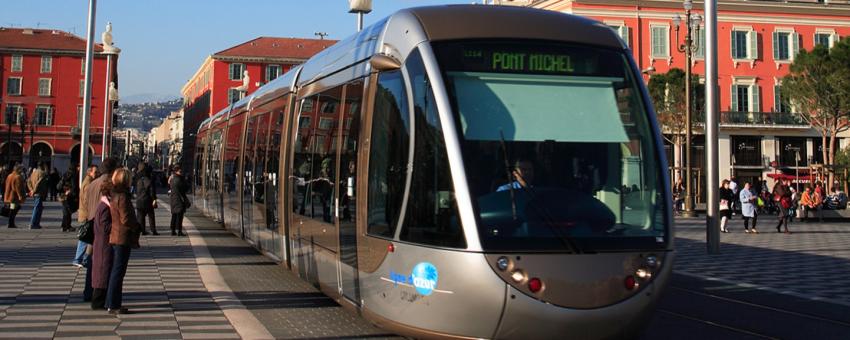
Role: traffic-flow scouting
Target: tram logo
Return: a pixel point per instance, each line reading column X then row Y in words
column 423, row 278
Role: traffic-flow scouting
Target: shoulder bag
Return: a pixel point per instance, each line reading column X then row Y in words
column 85, row 232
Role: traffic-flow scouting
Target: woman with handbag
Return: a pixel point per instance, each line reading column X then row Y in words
column 179, row 201
column 123, row 236
column 748, row 208
column 726, row 197
column 14, row 193
column 782, row 197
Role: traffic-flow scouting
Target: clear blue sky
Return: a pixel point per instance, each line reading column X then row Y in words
column 163, row 42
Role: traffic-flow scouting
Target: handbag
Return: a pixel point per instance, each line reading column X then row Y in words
column 186, row 202
column 724, row 205
column 760, row 202
column 85, row 232
column 5, row 211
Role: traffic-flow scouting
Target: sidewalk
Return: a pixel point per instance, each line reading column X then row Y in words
column 210, row 285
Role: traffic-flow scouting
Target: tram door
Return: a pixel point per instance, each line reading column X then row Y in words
column 347, row 211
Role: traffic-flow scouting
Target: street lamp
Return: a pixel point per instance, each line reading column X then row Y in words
column 691, row 23
column 360, row 7
column 110, row 92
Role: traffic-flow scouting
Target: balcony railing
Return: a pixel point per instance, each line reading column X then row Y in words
column 761, row 118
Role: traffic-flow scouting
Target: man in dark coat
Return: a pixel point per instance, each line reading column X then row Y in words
column 179, row 201
column 145, row 198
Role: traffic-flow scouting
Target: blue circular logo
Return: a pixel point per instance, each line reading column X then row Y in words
column 424, row 278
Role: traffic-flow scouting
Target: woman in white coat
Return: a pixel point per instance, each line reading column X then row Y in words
column 748, row 208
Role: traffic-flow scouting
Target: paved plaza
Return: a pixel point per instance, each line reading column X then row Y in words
column 212, row 285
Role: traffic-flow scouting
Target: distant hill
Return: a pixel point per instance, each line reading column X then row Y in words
column 146, row 115
column 147, row 98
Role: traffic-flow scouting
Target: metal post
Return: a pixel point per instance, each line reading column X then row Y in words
column 359, row 21
column 689, row 197
column 105, row 142
column 712, row 224
column 84, row 125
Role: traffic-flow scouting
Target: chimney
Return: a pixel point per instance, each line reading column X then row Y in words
column 28, row 31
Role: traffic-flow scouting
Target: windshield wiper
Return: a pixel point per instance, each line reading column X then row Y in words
column 508, row 173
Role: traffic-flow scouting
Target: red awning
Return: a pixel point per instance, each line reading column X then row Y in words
column 801, row 179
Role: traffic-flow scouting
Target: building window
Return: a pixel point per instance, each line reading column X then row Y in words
column 700, row 42
column 746, row 150
column 17, row 63
column 825, row 39
column 744, row 44
column 325, row 123
column 272, row 72
column 80, row 115
column 44, row 87
column 13, row 86
column 622, row 31
column 785, row 45
column 82, row 67
column 745, row 98
column 46, row 64
column 236, row 71
column 660, row 41
column 14, row 114
column 780, row 104
column 304, row 122
column 233, row 95
column 44, row 115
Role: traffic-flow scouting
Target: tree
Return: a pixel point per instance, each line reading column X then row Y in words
column 818, row 88
column 667, row 91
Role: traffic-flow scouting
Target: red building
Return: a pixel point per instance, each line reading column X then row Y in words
column 216, row 84
column 757, row 42
column 43, row 74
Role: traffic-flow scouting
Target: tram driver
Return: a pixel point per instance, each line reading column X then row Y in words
column 522, row 174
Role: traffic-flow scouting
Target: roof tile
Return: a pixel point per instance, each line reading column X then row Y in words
column 271, row 47
column 42, row 39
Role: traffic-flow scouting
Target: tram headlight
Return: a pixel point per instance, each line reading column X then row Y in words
column 651, row 261
column 518, row 276
column 503, row 263
column 643, row 274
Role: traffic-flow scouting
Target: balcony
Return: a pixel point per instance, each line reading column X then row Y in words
column 765, row 119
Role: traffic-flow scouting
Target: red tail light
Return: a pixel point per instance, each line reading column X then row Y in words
column 535, row 285
column 630, row 282
column 390, row 248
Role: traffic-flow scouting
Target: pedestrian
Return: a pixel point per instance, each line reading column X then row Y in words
column 782, row 198
column 733, row 204
column 92, row 192
column 4, row 172
column 38, row 190
column 145, row 198
column 811, row 202
column 53, row 183
column 81, row 258
column 748, row 207
column 123, row 237
column 726, row 198
column 678, row 195
column 102, row 253
column 13, row 194
column 179, row 201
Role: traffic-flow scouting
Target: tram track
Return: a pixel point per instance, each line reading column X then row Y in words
column 698, row 308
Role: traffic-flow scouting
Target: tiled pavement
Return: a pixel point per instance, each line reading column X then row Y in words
column 812, row 262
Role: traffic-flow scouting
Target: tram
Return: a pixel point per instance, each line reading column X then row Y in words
column 456, row 172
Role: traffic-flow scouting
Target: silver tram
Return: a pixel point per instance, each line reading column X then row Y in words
column 456, row 171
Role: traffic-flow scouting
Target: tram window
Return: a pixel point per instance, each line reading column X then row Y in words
column 432, row 216
column 388, row 154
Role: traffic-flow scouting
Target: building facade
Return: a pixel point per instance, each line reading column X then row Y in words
column 41, row 96
column 221, row 78
column 757, row 42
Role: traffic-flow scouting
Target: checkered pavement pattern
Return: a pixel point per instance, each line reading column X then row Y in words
column 812, row 262
column 41, row 292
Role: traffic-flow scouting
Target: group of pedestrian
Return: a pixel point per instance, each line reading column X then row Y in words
column 17, row 186
column 749, row 199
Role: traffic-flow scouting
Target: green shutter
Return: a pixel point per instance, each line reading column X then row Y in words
column 775, row 45
column 753, row 39
column 795, row 44
column 755, row 103
column 734, row 45
column 734, row 98
column 777, row 99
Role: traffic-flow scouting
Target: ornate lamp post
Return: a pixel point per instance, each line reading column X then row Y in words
column 691, row 23
column 111, row 93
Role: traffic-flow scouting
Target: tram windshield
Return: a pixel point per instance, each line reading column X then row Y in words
column 559, row 151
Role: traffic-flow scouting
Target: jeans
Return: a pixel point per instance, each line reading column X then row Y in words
column 120, row 260
column 81, row 256
column 35, row 221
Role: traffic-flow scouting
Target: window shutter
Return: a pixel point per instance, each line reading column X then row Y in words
column 754, row 96
column 775, row 45
column 835, row 40
column 753, row 43
column 624, row 33
column 734, row 46
column 49, row 116
column 795, row 44
column 734, row 98
column 777, row 100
